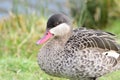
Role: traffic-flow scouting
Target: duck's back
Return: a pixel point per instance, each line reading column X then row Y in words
column 89, row 38
column 95, row 52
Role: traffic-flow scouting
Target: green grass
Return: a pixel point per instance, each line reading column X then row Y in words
column 22, row 68
column 112, row 76
column 114, row 27
column 18, row 51
column 14, row 68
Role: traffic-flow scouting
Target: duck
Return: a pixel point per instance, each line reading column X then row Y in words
column 77, row 54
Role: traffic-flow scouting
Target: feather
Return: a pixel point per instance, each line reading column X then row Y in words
column 86, row 38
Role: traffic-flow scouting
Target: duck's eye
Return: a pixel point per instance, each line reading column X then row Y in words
column 106, row 53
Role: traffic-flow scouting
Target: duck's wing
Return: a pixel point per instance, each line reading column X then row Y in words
column 85, row 38
column 104, row 42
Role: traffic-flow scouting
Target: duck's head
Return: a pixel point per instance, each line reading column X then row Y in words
column 58, row 25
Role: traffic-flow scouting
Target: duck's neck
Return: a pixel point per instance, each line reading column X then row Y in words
column 58, row 41
column 62, row 39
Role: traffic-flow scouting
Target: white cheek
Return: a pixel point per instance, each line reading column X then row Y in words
column 112, row 54
column 60, row 29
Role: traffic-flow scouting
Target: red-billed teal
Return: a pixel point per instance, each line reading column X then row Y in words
column 80, row 54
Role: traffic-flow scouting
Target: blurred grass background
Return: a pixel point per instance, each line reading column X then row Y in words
column 20, row 30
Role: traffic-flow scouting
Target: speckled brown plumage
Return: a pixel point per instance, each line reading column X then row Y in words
column 78, row 55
